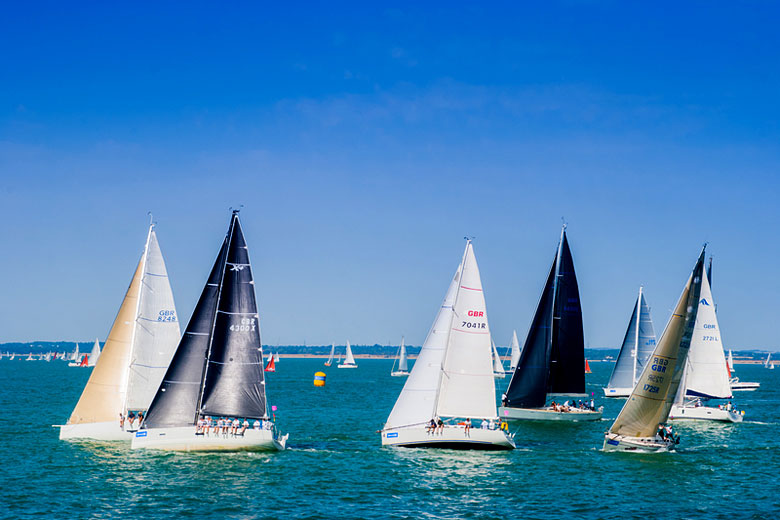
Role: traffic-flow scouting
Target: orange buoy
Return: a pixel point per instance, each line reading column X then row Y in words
column 319, row 379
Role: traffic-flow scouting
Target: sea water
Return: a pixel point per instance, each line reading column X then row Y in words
column 335, row 466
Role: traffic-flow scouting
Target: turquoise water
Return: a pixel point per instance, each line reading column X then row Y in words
column 335, row 467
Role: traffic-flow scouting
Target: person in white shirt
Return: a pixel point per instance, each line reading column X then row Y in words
column 244, row 426
column 484, row 425
column 236, row 424
column 256, row 425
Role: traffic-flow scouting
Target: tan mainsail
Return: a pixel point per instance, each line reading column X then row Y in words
column 103, row 398
column 652, row 397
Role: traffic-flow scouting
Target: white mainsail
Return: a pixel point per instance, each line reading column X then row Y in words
column 94, row 355
column 467, row 387
column 653, row 395
column 707, row 375
column 329, row 362
column 108, row 390
column 156, row 333
column 417, row 402
column 349, row 359
column 403, row 365
column 498, row 366
column 638, row 345
column 75, row 355
column 731, row 363
column 515, row 348
column 766, row 363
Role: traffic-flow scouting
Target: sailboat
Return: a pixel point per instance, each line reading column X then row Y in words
column 30, row 357
column 277, row 357
column 403, row 365
column 514, row 352
column 706, row 373
column 329, row 362
column 349, row 360
column 217, row 369
column 452, row 378
column 736, row 384
column 638, row 344
column 636, row 428
column 135, row 355
column 95, row 354
column 553, row 357
column 498, row 366
column 271, row 366
column 75, row 358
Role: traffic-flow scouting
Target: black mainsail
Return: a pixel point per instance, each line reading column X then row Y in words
column 553, row 356
column 222, row 341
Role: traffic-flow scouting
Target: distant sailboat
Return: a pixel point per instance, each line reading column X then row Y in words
column 277, row 357
column 587, row 367
column 706, row 372
column 498, row 366
column 638, row 345
column 403, row 365
column 271, row 366
column 217, row 368
column 30, row 357
column 553, row 356
column 452, row 378
column 95, row 354
column 636, row 428
column 349, row 360
column 514, row 353
column 329, row 362
column 135, row 355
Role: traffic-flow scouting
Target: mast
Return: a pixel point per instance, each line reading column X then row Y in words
column 636, row 336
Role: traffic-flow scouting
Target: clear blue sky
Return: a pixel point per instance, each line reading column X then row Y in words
column 365, row 142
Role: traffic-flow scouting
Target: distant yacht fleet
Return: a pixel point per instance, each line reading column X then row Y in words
column 205, row 389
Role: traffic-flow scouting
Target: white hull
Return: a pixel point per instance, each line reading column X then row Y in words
column 704, row 413
column 450, row 437
column 499, row 375
column 184, row 438
column 399, row 373
column 347, row 366
column 617, row 392
column 614, row 442
column 548, row 414
column 105, row 431
column 744, row 386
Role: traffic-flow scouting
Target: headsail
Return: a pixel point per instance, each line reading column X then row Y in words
column 652, row 397
column 498, row 366
column 514, row 351
column 638, row 345
column 467, row 386
column 417, row 402
column 403, row 365
column 94, row 355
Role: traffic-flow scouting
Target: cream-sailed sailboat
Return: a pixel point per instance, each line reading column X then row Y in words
column 636, row 428
column 136, row 353
column 706, row 373
column 403, row 363
column 638, row 344
column 452, row 378
column 349, row 360
column 217, row 369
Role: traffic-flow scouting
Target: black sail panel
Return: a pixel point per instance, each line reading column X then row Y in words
column 176, row 401
column 527, row 388
column 567, row 361
column 234, row 383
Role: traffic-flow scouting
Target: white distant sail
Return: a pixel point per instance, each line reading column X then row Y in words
column 498, row 366
column 417, row 402
column 467, row 387
column 329, row 362
column 277, row 357
column 731, row 363
column 94, row 355
column 349, row 360
column 515, row 348
column 707, row 375
column 768, row 357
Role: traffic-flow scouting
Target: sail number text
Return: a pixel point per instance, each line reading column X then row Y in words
column 166, row 316
column 247, row 324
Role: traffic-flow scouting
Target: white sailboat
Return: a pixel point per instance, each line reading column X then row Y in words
column 636, row 428
column 277, row 357
column 514, row 352
column 217, row 369
column 638, row 345
column 94, row 355
column 498, row 366
column 452, row 378
column 349, row 360
column 329, row 362
column 553, row 358
column 135, row 355
column 403, row 364
column 706, row 372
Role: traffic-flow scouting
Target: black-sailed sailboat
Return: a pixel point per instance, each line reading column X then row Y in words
column 213, row 396
column 552, row 362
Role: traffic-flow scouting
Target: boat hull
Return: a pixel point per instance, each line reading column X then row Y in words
column 450, row 437
column 547, row 414
column 104, row 431
column 400, row 373
column 614, row 442
column 346, row 366
column 617, row 392
column 185, row 438
column 704, row 413
column 740, row 386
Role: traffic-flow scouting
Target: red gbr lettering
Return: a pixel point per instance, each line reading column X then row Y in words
column 476, row 314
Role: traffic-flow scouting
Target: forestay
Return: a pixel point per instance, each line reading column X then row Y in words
column 467, row 385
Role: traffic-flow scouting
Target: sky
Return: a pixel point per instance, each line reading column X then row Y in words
column 364, row 142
